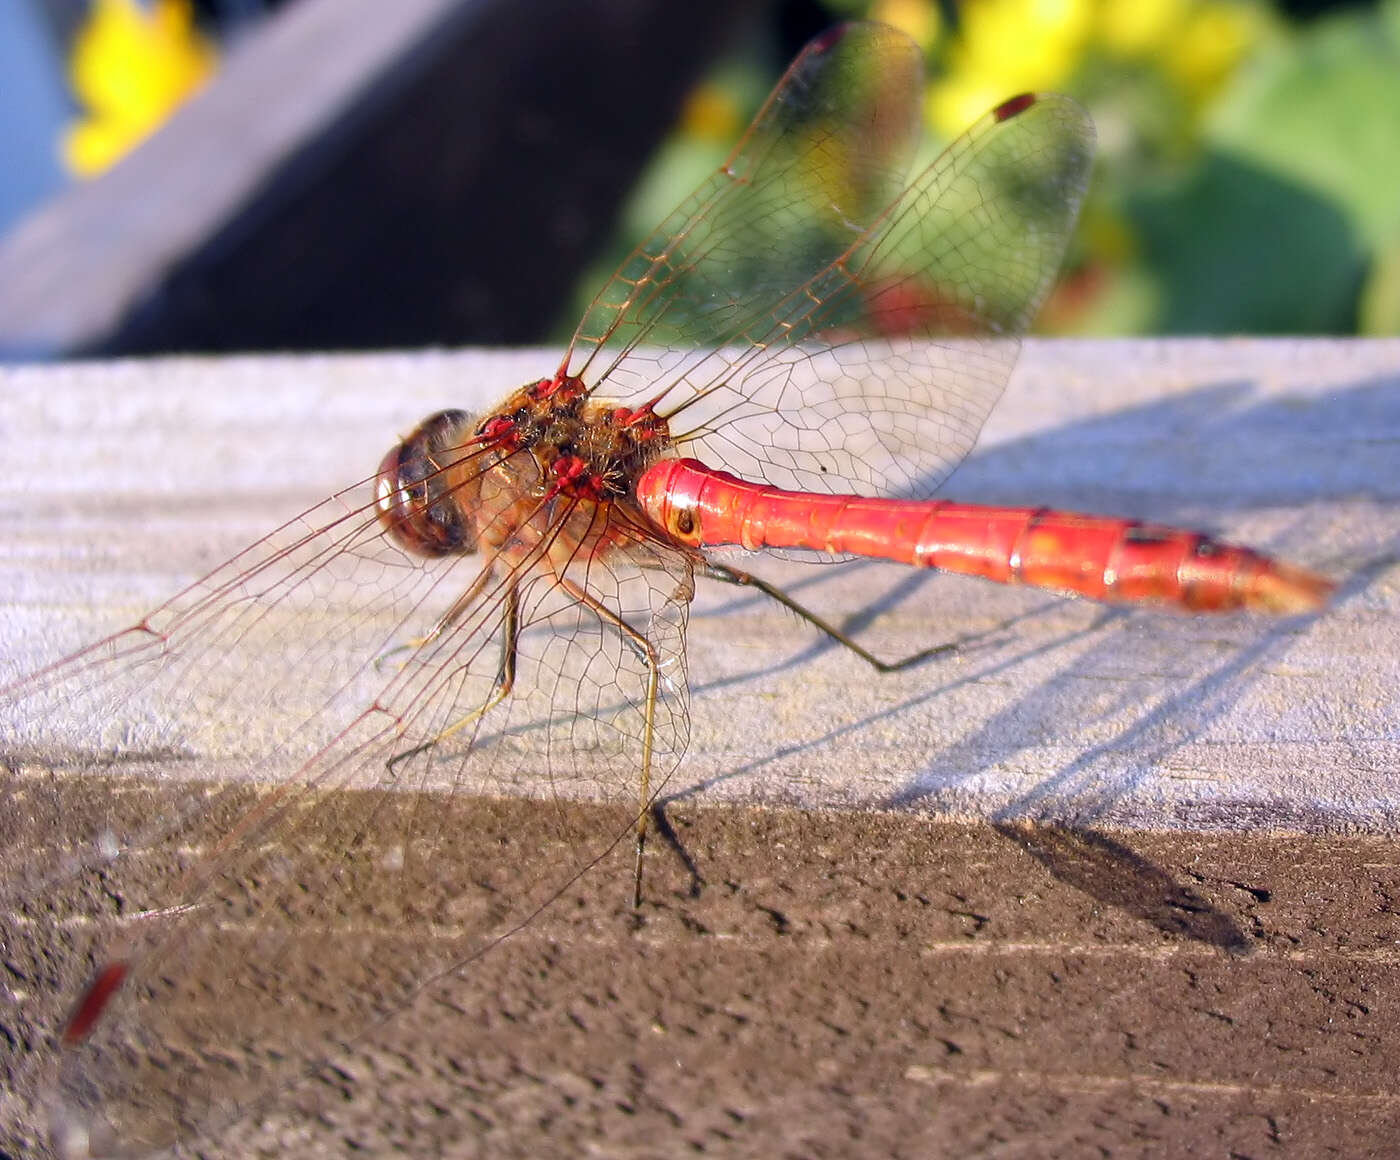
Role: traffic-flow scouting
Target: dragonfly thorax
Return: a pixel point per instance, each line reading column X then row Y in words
column 582, row 448
column 457, row 481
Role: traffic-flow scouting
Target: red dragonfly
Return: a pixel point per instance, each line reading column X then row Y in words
column 502, row 606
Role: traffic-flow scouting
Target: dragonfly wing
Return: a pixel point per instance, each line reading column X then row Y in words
column 255, row 868
column 826, row 153
column 866, row 360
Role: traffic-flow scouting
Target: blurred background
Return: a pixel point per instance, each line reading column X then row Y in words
column 296, row 174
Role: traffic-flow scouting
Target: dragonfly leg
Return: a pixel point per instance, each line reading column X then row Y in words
column 645, row 651
column 505, row 674
column 445, row 621
column 728, row 575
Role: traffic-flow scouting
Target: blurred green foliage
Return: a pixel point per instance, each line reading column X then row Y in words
column 1248, row 178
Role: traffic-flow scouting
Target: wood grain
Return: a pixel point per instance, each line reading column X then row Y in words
column 128, row 479
column 1099, row 880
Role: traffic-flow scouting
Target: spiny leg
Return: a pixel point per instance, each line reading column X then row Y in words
column 505, row 674
column 445, row 621
column 728, row 575
column 645, row 651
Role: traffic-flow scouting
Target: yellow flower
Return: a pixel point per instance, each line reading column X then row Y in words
column 130, row 68
column 711, row 114
column 921, row 19
column 1135, row 28
column 1210, row 43
column 1006, row 47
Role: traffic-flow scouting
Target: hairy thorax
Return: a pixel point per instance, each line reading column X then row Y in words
column 548, row 470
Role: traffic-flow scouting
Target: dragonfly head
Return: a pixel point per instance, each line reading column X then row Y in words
column 426, row 487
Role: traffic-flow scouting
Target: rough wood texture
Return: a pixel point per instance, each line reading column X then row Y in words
column 1129, row 881
column 127, row 479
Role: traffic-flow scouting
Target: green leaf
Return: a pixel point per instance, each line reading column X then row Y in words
column 1239, row 249
column 1323, row 111
column 1380, row 298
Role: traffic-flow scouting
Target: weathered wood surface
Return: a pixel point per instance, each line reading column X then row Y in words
column 1199, row 958
column 127, row 480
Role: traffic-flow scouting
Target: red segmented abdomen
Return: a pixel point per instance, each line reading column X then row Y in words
column 1102, row 557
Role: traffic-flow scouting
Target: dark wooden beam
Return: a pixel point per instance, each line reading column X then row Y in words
column 362, row 174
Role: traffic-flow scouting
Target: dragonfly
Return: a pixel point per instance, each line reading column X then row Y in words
column 793, row 361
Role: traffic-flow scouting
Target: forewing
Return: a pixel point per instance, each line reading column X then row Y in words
column 873, row 371
column 877, row 375
column 826, row 153
column 255, row 782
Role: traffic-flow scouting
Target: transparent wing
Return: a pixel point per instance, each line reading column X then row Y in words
column 878, row 374
column 252, row 780
column 248, row 784
column 870, row 367
column 827, row 152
